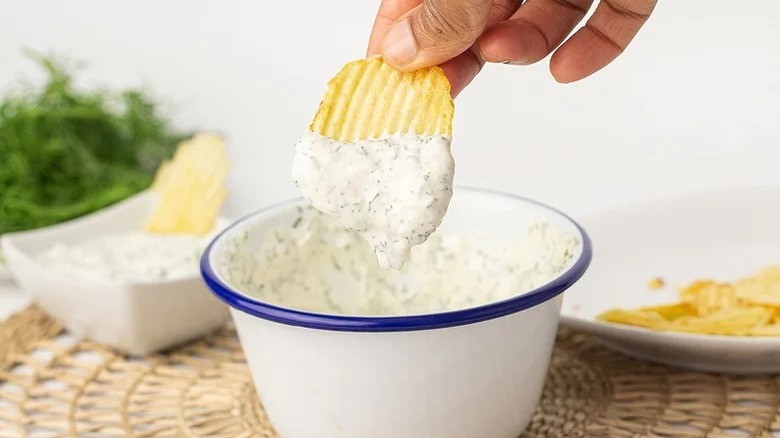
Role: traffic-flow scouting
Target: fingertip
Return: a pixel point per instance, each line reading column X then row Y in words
column 461, row 70
column 585, row 53
column 458, row 80
column 372, row 51
column 490, row 45
column 559, row 70
column 513, row 42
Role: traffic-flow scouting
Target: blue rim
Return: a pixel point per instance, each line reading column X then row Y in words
column 330, row 322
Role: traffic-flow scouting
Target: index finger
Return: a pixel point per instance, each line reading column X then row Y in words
column 389, row 12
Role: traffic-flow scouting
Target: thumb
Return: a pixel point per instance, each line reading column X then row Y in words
column 434, row 32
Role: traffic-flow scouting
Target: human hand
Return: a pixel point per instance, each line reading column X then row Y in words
column 460, row 35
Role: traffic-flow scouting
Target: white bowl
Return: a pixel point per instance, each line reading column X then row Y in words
column 476, row 372
column 720, row 235
column 136, row 318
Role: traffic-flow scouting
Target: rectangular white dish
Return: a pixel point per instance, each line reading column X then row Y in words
column 136, row 318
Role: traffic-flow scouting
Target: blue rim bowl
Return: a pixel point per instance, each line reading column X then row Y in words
column 332, row 322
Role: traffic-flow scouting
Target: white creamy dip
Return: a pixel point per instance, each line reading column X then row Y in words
column 394, row 191
column 131, row 257
column 317, row 265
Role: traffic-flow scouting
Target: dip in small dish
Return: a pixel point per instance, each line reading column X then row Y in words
column 454, row 344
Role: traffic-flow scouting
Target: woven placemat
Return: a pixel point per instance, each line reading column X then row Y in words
column 52, row 385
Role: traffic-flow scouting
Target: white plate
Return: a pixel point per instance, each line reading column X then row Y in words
column 720, row 235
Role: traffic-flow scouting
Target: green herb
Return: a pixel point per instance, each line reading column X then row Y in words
column 297, row 222
column 66, row 152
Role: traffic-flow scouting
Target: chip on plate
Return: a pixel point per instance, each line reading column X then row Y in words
column 749, row 306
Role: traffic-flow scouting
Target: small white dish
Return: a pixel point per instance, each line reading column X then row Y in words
column 719, row 235
column 5, row 271
column 136, row 318
column 476, row 372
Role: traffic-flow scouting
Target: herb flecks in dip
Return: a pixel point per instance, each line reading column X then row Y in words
column 394, row 191
column 315, row 264
column 128, row 257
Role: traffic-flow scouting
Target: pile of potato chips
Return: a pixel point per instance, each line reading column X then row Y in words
column 749, row 306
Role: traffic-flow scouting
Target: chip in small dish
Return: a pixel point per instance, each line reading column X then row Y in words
column 90, row 273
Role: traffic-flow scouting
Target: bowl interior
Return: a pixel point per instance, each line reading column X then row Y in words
column 472, row 213
column 126, row 216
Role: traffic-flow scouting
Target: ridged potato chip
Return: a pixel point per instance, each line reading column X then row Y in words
column 368, row 99
column 638, row 318
column 709, row 297
column 761, row 288
column 738, row 321
column 766, row 330
column 672, row 312
column 191, row 187
column 377, row 155
column 749, row 306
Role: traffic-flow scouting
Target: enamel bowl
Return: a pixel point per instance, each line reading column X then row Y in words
column 476, row 372
column 135, row 318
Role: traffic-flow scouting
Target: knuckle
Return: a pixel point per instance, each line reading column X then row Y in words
column 455, row 20
column 505, row 8
column 638, row 10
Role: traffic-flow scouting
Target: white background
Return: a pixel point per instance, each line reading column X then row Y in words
column 691, row 105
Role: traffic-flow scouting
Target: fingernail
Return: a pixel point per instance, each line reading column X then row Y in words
column 398, row 45
column 485, row 58
column 514, row 62
column 521, row 61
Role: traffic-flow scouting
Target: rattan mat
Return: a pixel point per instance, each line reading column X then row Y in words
column 52, row 385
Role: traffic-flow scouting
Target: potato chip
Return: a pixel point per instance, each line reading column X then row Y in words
column 670, row 312
column 633, row 317
column 749, row 306
column 761, row 300
column 725, row 322
column 709, row 297
column 763, row 288
column 765, row 330
column 775, row 314
column 368, row 99
column 656, row 283
column 191, row 187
